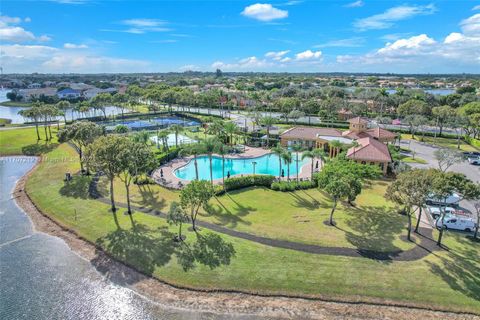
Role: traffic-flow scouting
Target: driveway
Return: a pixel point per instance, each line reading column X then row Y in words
column 426, row 152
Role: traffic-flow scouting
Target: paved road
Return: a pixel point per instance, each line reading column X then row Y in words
column 426, row 152
column 240, row 116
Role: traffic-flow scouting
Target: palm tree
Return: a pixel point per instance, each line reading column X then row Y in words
column 287, row 157
column 142, row 137
column 209, row 146
column 222, row 149
column 230, row 129
column 297, row 148
column 335, row 147
column 32, row 114
column 315, row 153
column 63, row 105
column 176, row 129
column 194, row 150
column 382, row 95
column 268, row 122
column 163, row 135
column 279, row 151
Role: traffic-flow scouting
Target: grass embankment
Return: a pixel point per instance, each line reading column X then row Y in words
column 22, row 141
column 15, row 104
column 447, row 279
column 442, row 142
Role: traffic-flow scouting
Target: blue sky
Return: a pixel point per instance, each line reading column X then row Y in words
column 318, row 36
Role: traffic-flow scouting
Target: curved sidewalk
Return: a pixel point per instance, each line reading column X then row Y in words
column 421, row 250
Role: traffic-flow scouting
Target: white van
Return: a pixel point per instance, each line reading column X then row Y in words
column 456, row 223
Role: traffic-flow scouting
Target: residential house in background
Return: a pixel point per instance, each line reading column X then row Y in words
column 69, row 93
column 29, row 95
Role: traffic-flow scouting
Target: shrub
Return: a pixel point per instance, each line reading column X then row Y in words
column 249, row 181
column 285, row 186
column 164, row 157
column 143, row 180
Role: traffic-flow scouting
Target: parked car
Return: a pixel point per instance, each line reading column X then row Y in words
column 457, row 223
column 435, row 211
column 451, row 200
column 474, row 161
column 473, row 154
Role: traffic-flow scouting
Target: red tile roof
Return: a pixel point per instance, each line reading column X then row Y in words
column 357, row 120
column 380, row 133
column 369, row 150
column 309, row 133
column 377, row 133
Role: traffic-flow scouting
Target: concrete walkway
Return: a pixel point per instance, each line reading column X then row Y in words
column 426, row 245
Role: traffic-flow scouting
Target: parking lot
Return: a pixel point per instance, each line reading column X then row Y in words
column 426, row 152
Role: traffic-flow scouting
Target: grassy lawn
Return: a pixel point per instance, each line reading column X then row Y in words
column 296, row 216
column 409, row 159
column 15, row 104
column 24, row 141
column 442, row 142
column 446, row 279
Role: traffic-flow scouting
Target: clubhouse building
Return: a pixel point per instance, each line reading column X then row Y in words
column 371, row 143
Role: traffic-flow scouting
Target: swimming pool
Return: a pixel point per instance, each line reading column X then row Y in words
column 267, row 164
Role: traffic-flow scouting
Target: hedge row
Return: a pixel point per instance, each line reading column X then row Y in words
column 249, row 181
column 292, row 185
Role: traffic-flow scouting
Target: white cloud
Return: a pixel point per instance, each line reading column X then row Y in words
column 276, row 55
column 11, row 32
column 75, row 46
column 457, row 52
column 477, row 7
column 45, row 59
column 141, row 26
column 144, row 23
column 388, row 18
column 355, row 4
column 471, row 25
column 16, row 34
column 404, row 45
column 249, row 63
column 349, row 42
column 189, row 67
column 264, row 12
column 273, row 60
column 308, row 55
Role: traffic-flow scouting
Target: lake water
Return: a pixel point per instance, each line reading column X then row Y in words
column 41, row 278
column 267, row 164
column 438, row 92
column 12, row 112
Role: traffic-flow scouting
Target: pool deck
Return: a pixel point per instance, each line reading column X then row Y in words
column 170, row 180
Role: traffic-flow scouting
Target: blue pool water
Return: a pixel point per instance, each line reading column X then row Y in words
column 267, row 164
column 152, row 123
